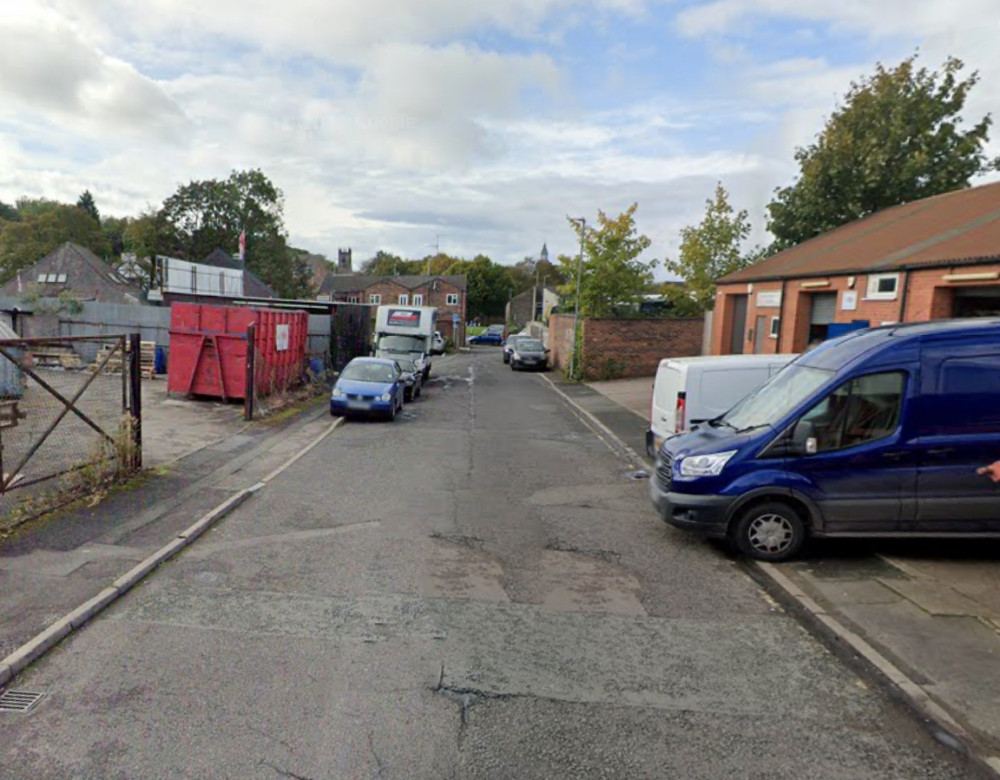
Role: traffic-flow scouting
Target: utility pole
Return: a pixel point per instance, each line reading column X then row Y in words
column 437, row 251
column 576, row 302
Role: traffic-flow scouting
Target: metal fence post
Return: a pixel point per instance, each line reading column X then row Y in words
column 251, row 365
column 135, row 407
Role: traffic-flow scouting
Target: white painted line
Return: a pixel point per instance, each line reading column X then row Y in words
column 40, row 644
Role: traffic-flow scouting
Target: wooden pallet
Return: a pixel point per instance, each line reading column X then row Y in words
column 50, row 357
column 147, row 359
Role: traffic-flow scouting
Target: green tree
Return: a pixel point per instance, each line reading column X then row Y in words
column 489, row 286
column 612, row 274
column 897, row 138
column 8, row 212
column 86, row 202
column 43, row 226
column 212, row 213
column 113, row 229
column 529, row 272
column 386, row 264
column 709, row 250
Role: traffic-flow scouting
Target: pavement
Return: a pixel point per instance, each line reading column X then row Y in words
column 931, row 607
column 479, row 589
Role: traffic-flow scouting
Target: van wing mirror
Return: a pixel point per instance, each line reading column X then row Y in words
column 804, row 438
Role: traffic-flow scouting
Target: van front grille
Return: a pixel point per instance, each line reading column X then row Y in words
column 665, row 473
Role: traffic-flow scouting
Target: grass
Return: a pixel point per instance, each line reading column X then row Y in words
column 474, row 330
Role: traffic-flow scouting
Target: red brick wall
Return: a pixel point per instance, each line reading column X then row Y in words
column 624, row 348
column 928, row 297
column 390, row 292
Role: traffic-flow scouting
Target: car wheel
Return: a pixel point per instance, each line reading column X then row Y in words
column 392, row 413
column 506, row 358
column 772, row 531
column 513, row 367
column 408, row 395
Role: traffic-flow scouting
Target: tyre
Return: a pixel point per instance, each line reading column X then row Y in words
column 512, row 366
column 771, row 531
column 408, row 394
column 418, row 390
column 506, row 358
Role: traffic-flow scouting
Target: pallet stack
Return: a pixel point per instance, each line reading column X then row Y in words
column 56, row 357
column 147, row 359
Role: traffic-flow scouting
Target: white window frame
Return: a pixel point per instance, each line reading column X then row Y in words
column 418, row 299
column 873, row 293
column 61, row 278
column 775, row 327
column 42, row 278
column 403, row 299
column 375, row 299
column 354, row 299
column 452, row 299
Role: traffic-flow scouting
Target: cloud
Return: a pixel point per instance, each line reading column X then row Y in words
column 46, row 67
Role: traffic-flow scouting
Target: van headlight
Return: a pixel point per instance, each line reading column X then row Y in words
column 705, row 465
column 336, row 392
column 385, row 397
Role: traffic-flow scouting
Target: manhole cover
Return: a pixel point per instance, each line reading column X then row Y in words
column 18, row 701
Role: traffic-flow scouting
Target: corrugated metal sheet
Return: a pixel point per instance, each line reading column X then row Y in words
column 957, row 228
column 11, row 376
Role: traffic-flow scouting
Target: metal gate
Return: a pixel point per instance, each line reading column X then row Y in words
column 350, row 334
column 70, row 420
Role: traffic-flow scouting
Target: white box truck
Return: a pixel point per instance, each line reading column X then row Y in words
column 406, row 333
column 691, row 390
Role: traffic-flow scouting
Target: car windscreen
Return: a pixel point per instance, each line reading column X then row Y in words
column 530, row 345
column 401, row 344
column 777, row 397
column 368, row 372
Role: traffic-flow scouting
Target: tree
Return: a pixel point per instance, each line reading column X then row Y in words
column 529, row 272
column 86, row 202
column 489, row 286
column 113, row 229
column 895, row 139
column 709, row 251
column 212, row 213
column 40, row 230
column 612, row 275
column 386, row 264
column 8, row 212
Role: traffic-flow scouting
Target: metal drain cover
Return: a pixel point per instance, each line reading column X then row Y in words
column 19, row 701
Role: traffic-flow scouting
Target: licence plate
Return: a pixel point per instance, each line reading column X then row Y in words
column 358, row 405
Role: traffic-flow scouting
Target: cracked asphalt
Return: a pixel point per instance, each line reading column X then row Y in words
column 478, row 590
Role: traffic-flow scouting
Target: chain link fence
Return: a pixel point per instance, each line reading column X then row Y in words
column 69, row 421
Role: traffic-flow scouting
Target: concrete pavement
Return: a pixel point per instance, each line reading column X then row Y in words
column 477, row 590
column 932, row 607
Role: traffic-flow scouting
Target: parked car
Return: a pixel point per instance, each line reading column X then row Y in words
column 508, row 345
column 438, row 345
column 688, row 391
column 369, row 386
column 878, row 432
column 494, row 337
column 529, row 353
column 413, row 379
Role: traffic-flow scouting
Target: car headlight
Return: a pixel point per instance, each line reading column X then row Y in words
column 705, row 465
column 336, row 392
column 384, row 397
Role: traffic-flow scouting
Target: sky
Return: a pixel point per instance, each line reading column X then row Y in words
column 476, row 126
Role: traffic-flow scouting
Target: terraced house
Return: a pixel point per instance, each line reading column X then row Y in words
column 447, row 293
column 935, row 258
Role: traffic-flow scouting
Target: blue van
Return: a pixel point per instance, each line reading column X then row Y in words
column 877, row 433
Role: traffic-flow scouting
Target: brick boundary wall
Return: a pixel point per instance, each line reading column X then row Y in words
column 625, row 348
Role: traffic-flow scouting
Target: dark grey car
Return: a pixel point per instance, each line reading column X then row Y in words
column 529, row 353
column 508, row 345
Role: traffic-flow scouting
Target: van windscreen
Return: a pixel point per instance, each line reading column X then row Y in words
column 780, row 395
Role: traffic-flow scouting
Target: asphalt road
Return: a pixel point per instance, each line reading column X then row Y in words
column 477, row 590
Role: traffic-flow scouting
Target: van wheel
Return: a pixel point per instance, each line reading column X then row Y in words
column 771, row 531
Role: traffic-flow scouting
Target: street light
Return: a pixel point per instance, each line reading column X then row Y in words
column 582, row 221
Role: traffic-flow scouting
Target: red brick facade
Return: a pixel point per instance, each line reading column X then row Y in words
column 435, row 292
column 927, row 293
column 624, row 348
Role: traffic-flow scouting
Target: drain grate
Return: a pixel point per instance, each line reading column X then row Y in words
column 19, row 701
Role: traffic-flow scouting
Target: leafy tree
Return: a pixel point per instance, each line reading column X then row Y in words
column 8, row 212
column 709, row 250
column 489, row 286
column 43, row 226
column 612, row 275
column 113, row 229
column 529, row 272
column 386, row 264
column 896, row 138
column 86, row 202
column 212, row 213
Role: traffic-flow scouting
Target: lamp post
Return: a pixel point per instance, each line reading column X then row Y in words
column 582, row 221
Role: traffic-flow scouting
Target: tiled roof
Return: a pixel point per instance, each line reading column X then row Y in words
column 220, row 258
column 86, row 275
column 342, row 283
column 255, row 287
column 957, row 228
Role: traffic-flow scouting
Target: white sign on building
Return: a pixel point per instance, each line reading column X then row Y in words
column 769, row 299
column 281, row 338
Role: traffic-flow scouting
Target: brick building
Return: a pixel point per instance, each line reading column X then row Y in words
column 447, row 293
column 932, row 259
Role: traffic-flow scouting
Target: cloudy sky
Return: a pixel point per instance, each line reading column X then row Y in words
column 388, row 123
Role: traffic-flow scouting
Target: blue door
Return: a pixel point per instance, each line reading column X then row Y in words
column 861, row 471
column 959, row 432
column 835, row 329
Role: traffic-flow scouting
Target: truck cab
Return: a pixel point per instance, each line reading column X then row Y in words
column 406, row 332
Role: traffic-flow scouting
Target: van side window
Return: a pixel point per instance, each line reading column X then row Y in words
column 862, row 410
column 966, row 401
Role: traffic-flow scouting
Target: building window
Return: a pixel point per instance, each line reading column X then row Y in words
column 418, row 299
column 403, row 300
column 452, row 299
column 354, row 299
column 375, row 299
column 775, row 327
column 883, row 287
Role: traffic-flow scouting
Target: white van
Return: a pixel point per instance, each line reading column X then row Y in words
column 691, row 390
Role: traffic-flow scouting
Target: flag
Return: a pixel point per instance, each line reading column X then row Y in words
column 243, row 245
